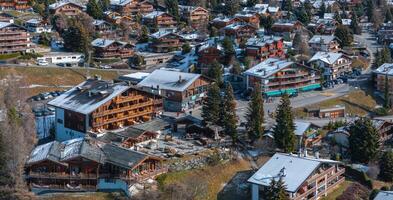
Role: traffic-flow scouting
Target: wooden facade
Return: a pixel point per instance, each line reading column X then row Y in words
column 14, row 4
column 134, row 7
column 240, row 32
column 252, row 19
column 130, row 107
column 67, row 9
column 166, row 43
column 115, row 50
column 196, row 16
column 207, row 56
column 14, row 38
column 263, row 50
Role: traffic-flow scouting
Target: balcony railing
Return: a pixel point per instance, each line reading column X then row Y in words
column 117, row 119
column 123, row 109
column 55, row 175
column 136, row 177
column 293, row 81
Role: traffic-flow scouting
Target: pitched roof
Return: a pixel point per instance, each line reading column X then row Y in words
column 386, row 68
column 318, row 39
column 296, row 170
column 120, row 2
column 49, row 151
column 169, row 80
column 268, row 67
column 59, row 4
column 262, row 41
column 123, row 157
column 89, row 95
column 102, row 42
column 81, row 147
column 327, row 57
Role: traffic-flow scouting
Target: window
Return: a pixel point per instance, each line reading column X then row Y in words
column 74, row 121
column 60, row 121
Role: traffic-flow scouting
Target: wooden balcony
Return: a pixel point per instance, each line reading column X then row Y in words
column 61, row 187
column 136, row 177
column 49, row 175
column 118, row 119
column 293, row 81
column 123, row 109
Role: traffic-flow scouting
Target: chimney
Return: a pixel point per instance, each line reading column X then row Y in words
column 89, row 93
column 305, row 152
column 300, row 153
column 180, row 79
column 317, row 155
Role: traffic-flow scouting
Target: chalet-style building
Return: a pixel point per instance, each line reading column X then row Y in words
column 128, row 137
column 102, row 26
column 276, row 76
column 334, row 64
column 207, row 54
column 195, row 16
column 131, row 7
column 181, row 91
column 328, row 43
column 286, row 29
column 332, row 112
column 251, row 18
column 13, row 38
column 265, row 47
column 66, row 8
column 88, row 165
column 240, row 31
column 384, row 195
column 97, row 105
column 383, row 75
column 118, row 19
column 105, row 48
column 304, row 177
column 14, row 4
column 160, row 20
column 37, row 26
column 221, row 22
column 162, row 42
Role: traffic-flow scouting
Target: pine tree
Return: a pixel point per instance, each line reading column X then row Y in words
column 276, row 190
column 356, row 29
column 267, row 22
column 105, row 4
column 215, row 72
column 337, row 17
column 76, row 38
column 229, row 117
column 286, row 5
column 386, row 166
column 388, row 16
column 251, row 3
column 144, row 37
column 231, row 7
column 211, row 106
column 94, row 10
column 173, row 8
column 344, row 35
column 255, row 114
column 284, row 130
column 322, row 10
column 229, row 51
column 363, row 141
column 387, row 102
column 302, row 16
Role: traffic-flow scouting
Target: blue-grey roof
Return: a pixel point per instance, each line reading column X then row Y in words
column 301, row 127
column 89, row 95
column 102, row 42
column 386, row 68
column 327, row 57
column 296, row 170
column 384, row 195
column 268, row 67
column 169, row 80
column 318, row 39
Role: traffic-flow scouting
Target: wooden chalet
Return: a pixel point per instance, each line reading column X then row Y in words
column 162, row 42
column 97, row 105
column 181, row 90
column 286, row 29
column 132, row 7
column 195, row 16
column 265, row 47
column 84, row 164
column 240, row 32
column 14, row 4
column 221, row 22
column 207, row 54
column 66, row 8
column 105, row 48
column 118, row 19
column 129, row 137
column 160, row 20
column 13, row 38
column 251, row 18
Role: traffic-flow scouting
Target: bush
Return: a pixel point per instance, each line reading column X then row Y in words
column 381, row 111
column 360, row 177
column 373, row 194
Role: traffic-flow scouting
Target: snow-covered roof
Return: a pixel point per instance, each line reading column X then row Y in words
column 120, row 2
column 103, row 42
column 386, row 68
column 160, row 34
column 301, row 127
column 153, row 14
column 295, row 170
column 318, row 39
column 59, row 4
column 222, row 19
column 346, row 22
column 326, row 57
column 384, row 195
column 262, row 41
column 268, row 67
column 137, row 75
column 44, row 152
column 98, row 22
column 328, row 16
column 33, row 21
column 169, row 80
column 89, row 95
column 4, row 24
column 271, row 9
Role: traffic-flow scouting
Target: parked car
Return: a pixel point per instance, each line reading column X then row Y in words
column 43, row 63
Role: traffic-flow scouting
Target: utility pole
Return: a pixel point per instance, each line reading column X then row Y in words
column 88, row 65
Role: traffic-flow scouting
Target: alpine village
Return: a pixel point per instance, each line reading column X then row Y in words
column 196, row 99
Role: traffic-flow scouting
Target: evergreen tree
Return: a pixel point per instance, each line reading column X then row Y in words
column 284, row 130
column 302, row 16
column 215, row 72
column 369, row 9
column 344, row 35
column 267, row 22
column 229, row 117
column 236, row 69
column 186, row 48
column 276, row 190
column 386, row 166
column 211, row 105
column 255, row 114
column 173, row 8
column 385, row 55
column 144, row 37
column 299, row 44
column 251, row 3
column 337, row 17
column 94, row 10
column 286, row 5
column 363, row 141
column 76, row 38
column 322, row 10
column 229, row 50
column 231, row 7
column 356, row 29
column 388, row 16
column 105, row 4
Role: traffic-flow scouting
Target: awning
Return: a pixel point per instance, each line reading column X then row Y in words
column 311, row 87
column 273, row 93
